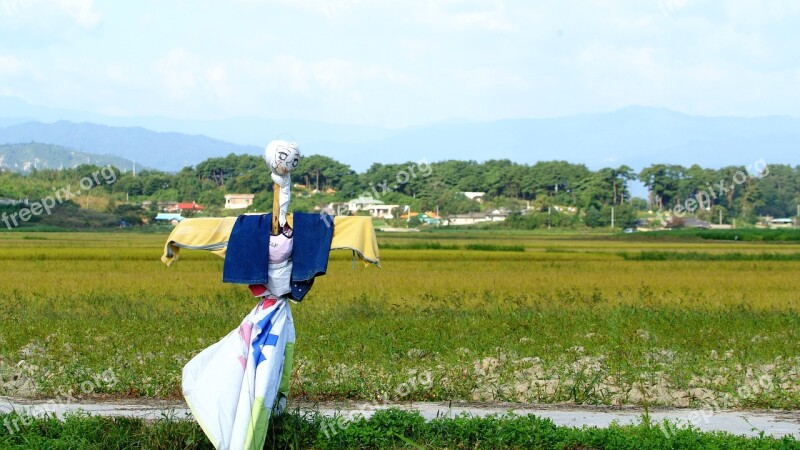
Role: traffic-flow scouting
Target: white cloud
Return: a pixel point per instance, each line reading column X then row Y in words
column 81, row 11
column 486, row 20
column 250, row 86
column 401, row 62
column 49, row 17
column 468, row 16
column 9, row 65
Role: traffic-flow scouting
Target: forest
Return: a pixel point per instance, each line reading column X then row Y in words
column 578, row 195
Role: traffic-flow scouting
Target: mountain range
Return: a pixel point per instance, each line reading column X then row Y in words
column 164, row 151
column 636, row 136
column 26, row 157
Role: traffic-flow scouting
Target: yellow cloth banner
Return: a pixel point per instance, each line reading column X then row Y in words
column 354, row 233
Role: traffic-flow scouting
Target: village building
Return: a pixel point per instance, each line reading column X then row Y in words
column 376, row 208
column 239, row 201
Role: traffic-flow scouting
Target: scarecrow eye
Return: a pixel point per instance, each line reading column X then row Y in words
column 282, row 155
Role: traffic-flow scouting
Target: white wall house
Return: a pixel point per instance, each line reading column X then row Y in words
column 376, row 208
column 239, row 201
column 361, row 203
column 781, row 223
column 381, row 211
column 477, row 217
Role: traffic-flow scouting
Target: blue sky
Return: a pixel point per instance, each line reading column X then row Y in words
column 398, row 63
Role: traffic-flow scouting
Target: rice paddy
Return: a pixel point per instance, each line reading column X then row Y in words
column 581, row 320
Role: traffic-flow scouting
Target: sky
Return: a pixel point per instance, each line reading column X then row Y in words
column 400, row 63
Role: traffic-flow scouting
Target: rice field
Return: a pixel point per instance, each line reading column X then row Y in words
column 462, row 316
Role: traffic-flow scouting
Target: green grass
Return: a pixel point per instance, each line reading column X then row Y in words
column 385, row 429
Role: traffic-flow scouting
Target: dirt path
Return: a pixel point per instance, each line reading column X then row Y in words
column 749, row 423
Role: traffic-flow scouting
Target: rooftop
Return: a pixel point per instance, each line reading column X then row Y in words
column 169, row 216
column 366, row 201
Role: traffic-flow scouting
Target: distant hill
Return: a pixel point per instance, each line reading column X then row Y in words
column 238, row 130
column 636, row 136
column 25, row 157
column 163, row 151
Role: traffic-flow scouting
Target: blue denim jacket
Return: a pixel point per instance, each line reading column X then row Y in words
column 247, row 257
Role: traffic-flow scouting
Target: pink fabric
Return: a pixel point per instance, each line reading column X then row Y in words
column 280, row 248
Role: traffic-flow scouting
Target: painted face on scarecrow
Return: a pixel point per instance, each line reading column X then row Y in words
column 282, row 157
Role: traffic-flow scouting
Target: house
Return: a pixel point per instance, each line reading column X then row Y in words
column 498, row 215
column 175, row 207
column 780, row 223
column 170, row 207
column 477, row 196
column 239, row 201
column 361, row 203
column 467, row 219
column 190, row 207
column 376, row 208
column 174, row 219
column 687, row 222
column 472, row 218
column 381, row 211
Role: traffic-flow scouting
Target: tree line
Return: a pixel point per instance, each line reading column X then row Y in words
column 567, row 188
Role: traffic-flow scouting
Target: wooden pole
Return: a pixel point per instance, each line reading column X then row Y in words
column 276, row 209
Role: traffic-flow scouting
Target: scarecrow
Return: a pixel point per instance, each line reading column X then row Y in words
column 234, row 386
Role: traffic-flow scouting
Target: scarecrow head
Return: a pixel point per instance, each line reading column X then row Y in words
column 282, row 157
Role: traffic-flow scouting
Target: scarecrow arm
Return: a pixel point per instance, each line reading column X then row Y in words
column 349, row 233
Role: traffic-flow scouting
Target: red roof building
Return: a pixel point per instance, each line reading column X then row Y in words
column 189, row 207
